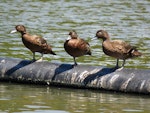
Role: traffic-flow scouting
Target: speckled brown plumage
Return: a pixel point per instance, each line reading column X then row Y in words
column 33, row 42
column 76, row 46
column 117, row 48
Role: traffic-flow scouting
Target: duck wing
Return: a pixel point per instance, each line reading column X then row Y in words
column 85, row 46
column 78, row 45
column 121, row 46
column 38, row 40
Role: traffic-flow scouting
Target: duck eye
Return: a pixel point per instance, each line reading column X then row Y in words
column 19, row 27
column 100, row 33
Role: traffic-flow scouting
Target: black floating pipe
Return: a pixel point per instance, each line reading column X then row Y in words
column 102, row 78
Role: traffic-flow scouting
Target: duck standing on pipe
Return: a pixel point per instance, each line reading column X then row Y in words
column 33, row 42
column 117, row 48
column 76, row 46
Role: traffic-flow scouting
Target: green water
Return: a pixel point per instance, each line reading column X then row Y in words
column 15, row 98
column 53, row 19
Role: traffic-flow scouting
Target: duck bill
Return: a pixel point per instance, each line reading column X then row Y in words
column 13, row 31
column 69, row 37
column 94, row 38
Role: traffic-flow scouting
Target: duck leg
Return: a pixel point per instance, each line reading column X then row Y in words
column 41, row 59
column 75, row 63
column 123, row 63
column 117, row 64
column 33, row 60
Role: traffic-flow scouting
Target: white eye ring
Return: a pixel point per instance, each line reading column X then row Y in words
column 69, row 37
column 100, row 33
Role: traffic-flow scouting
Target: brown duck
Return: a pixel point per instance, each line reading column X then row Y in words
column 33, row 42
column 76, row 46
column 117, row 48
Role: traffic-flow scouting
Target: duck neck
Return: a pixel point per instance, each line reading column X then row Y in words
column 106, row 39
column 22, row 33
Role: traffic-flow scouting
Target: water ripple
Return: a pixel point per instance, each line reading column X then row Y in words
column 128, row 20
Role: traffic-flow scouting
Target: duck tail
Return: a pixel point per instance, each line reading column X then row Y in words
column 53, row 53
column 89, row 53
column 134, row 52
column 48, row 50
column 137, row 53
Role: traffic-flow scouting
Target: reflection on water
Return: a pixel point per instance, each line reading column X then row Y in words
column 127, row 20
column 26, row 98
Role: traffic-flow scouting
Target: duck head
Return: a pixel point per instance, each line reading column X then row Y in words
column 102, row 34
column 72, row 35
column 19, row 28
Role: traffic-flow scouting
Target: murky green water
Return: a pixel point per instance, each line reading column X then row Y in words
column 128, row 20
column 53, row 19
column 15, row 98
